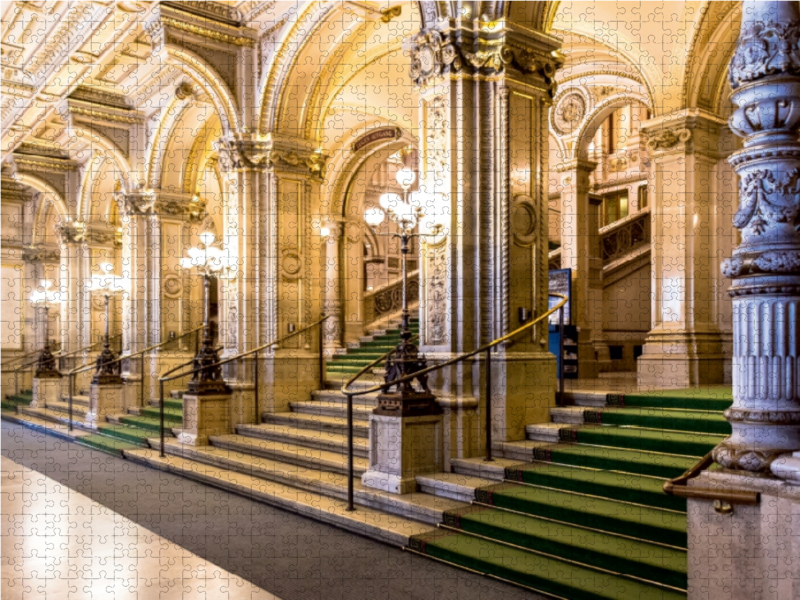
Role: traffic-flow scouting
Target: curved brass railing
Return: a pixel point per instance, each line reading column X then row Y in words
column 140, row 353
column 11, row 361
column 169, row 377
column 488, row 385
column 722, row 499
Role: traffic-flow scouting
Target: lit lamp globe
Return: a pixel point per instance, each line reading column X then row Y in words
column 390, row 201
column 405, row 177
column 374, row 217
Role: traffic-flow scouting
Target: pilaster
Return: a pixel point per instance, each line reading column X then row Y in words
column 685, row 345
column 332, row 282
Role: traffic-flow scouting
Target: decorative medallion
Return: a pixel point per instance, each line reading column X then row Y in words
column 568, row 113
column 523, row 220
column 172, row 286
column 291, row 263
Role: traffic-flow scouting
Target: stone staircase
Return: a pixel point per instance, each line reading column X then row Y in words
column 584, row 516
column 359, row 354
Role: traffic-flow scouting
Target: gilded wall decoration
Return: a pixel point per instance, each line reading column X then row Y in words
column 569, row 112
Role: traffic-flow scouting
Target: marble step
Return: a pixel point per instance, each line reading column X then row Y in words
column 494, row 470
column 567, row 414
column 546, row 432
column 335, row 462
column 365, row 521
column 317, row 423
column 455, row 486
column 332, row 442
column 51, row 427
column 587, row 397
column 521, row 451
column 418, row 506
column 332, row 409
column 55, row 415
column 77, row 407
column 336, row 396
column 76, row 399
column 366, row 382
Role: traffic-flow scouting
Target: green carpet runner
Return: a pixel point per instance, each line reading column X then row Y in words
column 357, row 358
column 588, row 519
column 11, row 401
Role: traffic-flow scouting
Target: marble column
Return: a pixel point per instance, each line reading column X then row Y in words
column 484, row 97
column 580, row 251
column 332, row 304
column 684, row 347
column 141, row 263
column 765, row 268
column 75, row 296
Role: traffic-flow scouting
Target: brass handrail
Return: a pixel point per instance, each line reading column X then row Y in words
column 384, row 386
column 678, row 486
column 452, row 361
column 18, row 358
column 90, row 346
column 142, row 352
column 164, row 378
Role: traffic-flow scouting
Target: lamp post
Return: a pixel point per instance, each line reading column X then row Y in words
column 42, row 298
column 405, row 212
column 107, row 283
column 212, row 263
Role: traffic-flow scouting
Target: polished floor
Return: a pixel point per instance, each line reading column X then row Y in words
column 291, row 556
column 57, row 543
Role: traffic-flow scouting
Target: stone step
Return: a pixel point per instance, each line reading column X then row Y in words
column 332, row 409
column 317, row 423
column 64, row 406
column 363, row 521
column 455, row 486
column 567, row 414
column 629, row 376
column 76, row 399
column 586, row 397
column 168, row 403
column 334, row 462
column 46, row 425
column 329, row 441
column 478, row 467
column 545, row 432
column 366, row 382
column 521, row 451
column 418, row 506
column 55, row 415
column 336, row 396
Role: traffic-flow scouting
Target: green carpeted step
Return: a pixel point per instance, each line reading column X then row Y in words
column 22, row 398
column 626, row 487
column 654, row 440
column 661, row 418
column 125, row 433
column 108, row 444
column 172, row 403
column 173, row 415
column 641, row 522
column 549, row 575
column 616, row 459
column 6, row 405
column 641, row 559
column 149, row 423
column 716, row 398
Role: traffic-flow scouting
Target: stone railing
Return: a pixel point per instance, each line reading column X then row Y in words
column 616, row 240
column 624, row 236
column 388, row 298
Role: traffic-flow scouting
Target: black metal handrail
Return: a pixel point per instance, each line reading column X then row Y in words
column 140, row 353
column 384, row 386
column 169, row 377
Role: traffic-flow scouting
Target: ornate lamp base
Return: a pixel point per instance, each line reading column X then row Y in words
column 208, row 381
column 107, row 372
column 407, row 404
column 46, row 367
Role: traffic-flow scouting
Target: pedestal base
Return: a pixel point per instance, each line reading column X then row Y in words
column 204, row 416
column 741, row 552
column 400, row 448
column 45, row 389
column 681, row 360
column 104, row 400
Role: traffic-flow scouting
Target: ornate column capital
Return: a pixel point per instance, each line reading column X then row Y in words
column 255, row 152
column 687, row 131
column 73, row 232
column 33, row 254
column 335, row 230
column 140, row 202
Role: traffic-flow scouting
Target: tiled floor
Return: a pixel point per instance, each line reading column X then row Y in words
column 59, row 544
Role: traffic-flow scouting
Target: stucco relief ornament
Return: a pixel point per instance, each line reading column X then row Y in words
column 432, row 55
column 569, row 112
column 766, row 199
column 765, row 48
column 73, row 232
column 667, row 139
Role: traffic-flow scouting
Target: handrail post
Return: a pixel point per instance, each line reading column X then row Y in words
column 70, row 382
column 350, row 474
column 560, row 362
column 321, row 359
column 489, row 405
column 16, row 381
column 161, row 417
column 141, row 380
column 255, row 399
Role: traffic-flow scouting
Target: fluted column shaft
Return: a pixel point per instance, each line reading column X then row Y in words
column 765, row 268
column 332, row 304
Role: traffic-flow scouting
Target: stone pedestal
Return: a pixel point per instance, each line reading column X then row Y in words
column 45, row 389
column 741, row 552
column 104, row 400
column 400, row 448
column 204, row 415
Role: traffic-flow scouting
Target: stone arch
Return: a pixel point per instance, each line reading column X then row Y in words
column 49, row 198
column 599, row 114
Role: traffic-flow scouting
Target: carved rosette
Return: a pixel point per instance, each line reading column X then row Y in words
column 765, row 268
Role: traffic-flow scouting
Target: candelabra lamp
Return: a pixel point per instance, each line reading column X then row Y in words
column 212, row 263
column 107, row 284
column 406, row 360
column 42, row 299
